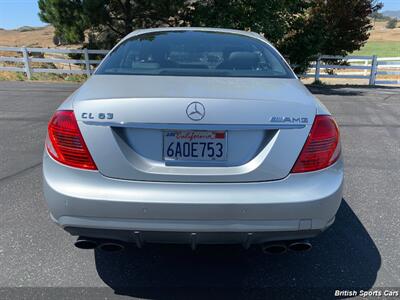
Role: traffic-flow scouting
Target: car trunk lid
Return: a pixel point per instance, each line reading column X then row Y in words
column 124, row 118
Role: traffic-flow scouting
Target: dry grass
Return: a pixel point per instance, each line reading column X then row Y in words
column 382, row 42
column 381, row 34
column 42, row 37
column 12, row 76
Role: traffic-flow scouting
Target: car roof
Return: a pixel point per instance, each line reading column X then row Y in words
column 205, row 29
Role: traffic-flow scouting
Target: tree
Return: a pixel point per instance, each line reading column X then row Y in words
column 301, row 29
column 391, row 24
column 273, row 18
column 66, row 17
column 333, row 27
column 106, row 21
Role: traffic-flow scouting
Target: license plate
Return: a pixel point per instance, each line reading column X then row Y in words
column 190, row 145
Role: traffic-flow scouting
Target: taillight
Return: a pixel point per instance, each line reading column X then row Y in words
column 65, row 142
column 322, row 147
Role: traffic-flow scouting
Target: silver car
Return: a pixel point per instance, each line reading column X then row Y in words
column 197, row 136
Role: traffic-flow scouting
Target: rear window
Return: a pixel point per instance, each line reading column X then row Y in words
column 195, row 53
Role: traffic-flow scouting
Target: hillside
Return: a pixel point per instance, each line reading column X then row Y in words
column 28, row 36
column 43, row 36
column 392, row 13
column 40, row 37
column 381, row 33
column 382, row 42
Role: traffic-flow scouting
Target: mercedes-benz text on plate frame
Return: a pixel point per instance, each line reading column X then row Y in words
column 195, row 136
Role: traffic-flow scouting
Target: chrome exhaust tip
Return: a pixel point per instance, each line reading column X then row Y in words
column 111, row 247
column 300, row 246
column 274, row 248
column 83, row 243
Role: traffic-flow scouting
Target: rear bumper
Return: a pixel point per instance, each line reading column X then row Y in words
column 192, row 238
column 87, row 203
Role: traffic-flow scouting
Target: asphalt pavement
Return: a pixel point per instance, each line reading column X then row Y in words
column 360, row 251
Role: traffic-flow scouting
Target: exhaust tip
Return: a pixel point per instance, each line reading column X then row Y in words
column 274, row 249
column 111, row 247
column 302, row 246
column 83, row 243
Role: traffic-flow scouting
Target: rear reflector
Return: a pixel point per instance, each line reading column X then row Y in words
column 65, row 142
column 322, row 147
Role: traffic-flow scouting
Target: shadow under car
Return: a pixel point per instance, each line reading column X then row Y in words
column 344, row 257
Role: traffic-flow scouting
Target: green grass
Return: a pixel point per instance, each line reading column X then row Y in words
column 382, row 49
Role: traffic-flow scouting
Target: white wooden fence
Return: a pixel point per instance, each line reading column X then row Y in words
column 25, row 57
column 369, row 67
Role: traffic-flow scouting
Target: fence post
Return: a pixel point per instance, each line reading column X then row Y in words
column 87, row 64
column 317, row 68
column 374, row 70
column 26, row 62
column 366, row 64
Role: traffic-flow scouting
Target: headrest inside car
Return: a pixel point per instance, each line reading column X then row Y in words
column 243, row 60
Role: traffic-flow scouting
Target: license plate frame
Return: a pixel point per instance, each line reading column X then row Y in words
column 210, row 152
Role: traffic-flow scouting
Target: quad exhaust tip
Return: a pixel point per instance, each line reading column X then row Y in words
column 108, row 246
column 274, row 248
column 267, row 248
column 111, row 247
column 301, row 246
column 83, row 243
column 282, row 247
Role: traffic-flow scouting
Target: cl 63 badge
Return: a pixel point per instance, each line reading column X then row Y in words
column 100, row 116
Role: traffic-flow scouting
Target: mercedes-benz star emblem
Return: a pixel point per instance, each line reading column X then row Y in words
column 195, row 111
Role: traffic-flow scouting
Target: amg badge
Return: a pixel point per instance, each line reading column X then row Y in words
column 292, row 120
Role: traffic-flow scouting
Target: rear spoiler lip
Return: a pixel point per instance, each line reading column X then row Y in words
column 186, row 126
